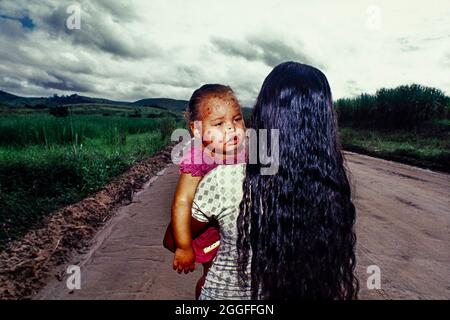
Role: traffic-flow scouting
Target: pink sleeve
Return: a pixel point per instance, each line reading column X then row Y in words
column 194, row 170
column 188, row 165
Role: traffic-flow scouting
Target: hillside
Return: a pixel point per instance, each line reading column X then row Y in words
column 7, row 97
column 12, row 100
column 170, row 104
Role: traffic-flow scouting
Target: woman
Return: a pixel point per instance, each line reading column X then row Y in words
column 288, row 235
column 296, row 227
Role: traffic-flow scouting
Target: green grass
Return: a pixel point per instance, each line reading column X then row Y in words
column 48, row 162
column 94, row 109
column 394, row 108
column 444, row 123
column 427, row 145
column 48, row 130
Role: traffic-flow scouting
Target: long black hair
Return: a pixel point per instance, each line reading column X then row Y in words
column 296, row 227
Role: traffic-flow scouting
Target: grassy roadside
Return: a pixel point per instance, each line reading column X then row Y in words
column 426, row 146
column 48, row 162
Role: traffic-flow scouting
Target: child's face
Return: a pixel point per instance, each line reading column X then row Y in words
column 222, row 124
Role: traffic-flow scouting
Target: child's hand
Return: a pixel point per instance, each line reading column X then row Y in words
column 184, row 260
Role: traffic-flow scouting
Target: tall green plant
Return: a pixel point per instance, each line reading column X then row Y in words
column 394, row 108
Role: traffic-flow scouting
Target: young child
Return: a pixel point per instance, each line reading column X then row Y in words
column 215, row 118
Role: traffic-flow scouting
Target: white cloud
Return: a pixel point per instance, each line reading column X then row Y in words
column 167, row 48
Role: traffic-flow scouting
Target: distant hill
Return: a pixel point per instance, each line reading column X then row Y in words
column 6, row 97
column 177, row 106
column 76, row 99
column 18, row 101
column 170, row 104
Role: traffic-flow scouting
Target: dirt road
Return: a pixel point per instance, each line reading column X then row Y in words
column 403, row 228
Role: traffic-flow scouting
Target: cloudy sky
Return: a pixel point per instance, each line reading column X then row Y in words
column 130, row 50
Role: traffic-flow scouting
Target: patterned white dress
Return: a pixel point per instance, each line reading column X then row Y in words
column 218, row 197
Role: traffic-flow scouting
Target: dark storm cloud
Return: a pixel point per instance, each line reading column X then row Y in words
column 185, row 77
column 64, row 83
column 11, row 84
column 23, row 68
column 235, row 48
column 22, row 79
column 142, row 91
column 52, row 63
column 12, row 28
column 100, row 30
column 258, row 48
column 49, row 58
column 25, row 20
column 121, row 11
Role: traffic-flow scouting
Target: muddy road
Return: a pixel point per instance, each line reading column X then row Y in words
column 402, row 227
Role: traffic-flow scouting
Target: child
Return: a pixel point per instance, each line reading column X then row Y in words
column 215, row 118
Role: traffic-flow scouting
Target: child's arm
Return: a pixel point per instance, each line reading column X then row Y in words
column 197, row 227
column 184, row 259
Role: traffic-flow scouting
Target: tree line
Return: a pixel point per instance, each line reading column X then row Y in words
column 400, row 107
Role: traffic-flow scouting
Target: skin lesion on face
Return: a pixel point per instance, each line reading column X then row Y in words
column 221, row 125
